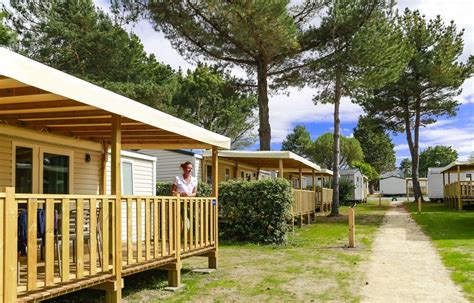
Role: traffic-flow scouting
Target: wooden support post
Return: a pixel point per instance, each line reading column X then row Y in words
column 449, row 189
column 315, row 194
column 116, row 189
column 301, row 178
column 10, row 234
column 213, row 258
column 103, row 169
column 280, row 168
column 174, row 275
column 351, row 227
column 459, row 188
column 444, row 189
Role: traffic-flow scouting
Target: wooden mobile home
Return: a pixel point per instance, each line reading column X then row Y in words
column 457, row 192
column 249, row 165
column 55, row 134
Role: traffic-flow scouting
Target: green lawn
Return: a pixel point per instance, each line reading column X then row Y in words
column 315, row 265
column 452, row 233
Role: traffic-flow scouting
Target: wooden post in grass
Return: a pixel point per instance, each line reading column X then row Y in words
column 351, row 227
column 419, row 205
column 380, row 199
column 459, row 188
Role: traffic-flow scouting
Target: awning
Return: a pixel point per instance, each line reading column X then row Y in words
column 270, row 160
column 38, row 97
column 463, row 166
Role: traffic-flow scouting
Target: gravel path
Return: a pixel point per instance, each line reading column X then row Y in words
column 404, row 265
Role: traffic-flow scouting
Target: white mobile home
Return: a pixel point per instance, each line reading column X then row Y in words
column 168, row 163
column 435, row 181
column 393, row 186
column 360, row 183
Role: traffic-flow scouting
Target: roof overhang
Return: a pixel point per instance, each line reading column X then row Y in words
column 462, row 165
column 270, row 160
column 38, row 97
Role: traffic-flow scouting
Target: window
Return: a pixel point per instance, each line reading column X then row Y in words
column 127, row 178
column 55, row 174
column 227, row 174
column 23, row 170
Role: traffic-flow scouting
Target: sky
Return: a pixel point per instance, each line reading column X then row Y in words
column 296, row 107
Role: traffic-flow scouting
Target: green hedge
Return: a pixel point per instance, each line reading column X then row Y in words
column 255, row 211
column 164, row 189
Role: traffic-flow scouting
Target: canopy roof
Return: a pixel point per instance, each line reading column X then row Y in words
column 35, row 96
column 463, row 166
column 271, row 160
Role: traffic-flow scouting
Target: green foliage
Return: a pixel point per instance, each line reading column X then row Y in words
column 366, row 169
column 209, row 98
column 405, row 166
column 437, row 156
column 7, row 36
column 376, row 145
column 80, row 39
column 164, row 189
column 346, row 190
column 255, row 211
column 427, row 87
column 321, row 151
column 299, row 141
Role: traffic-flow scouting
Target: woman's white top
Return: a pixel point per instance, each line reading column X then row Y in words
column 183, row 186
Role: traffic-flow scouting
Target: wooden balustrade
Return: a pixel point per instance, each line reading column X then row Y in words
column 458, row 193
column 77, row 251
column 304, row 202
column 324, row 199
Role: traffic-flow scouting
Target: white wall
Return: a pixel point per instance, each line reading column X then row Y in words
column 167, row 164
column 393, row 186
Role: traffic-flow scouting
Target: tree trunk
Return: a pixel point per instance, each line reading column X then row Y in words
column 413, row 145
column 264, row 131
column 336, row 147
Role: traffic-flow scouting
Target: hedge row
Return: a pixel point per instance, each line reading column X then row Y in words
column 255, row 211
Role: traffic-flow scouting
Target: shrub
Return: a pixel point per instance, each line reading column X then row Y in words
column 255, row 211
column 346, row 188
column 164, row 189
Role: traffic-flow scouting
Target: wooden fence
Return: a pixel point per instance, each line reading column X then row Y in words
column 459, row 193
column 75, row 234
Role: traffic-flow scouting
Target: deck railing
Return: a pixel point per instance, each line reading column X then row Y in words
column 459, row 192
column 324, row 199
column 304, row 202
column 75, row 234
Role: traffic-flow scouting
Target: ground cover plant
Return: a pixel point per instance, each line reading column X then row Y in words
column 315, row 265
column 452, row 233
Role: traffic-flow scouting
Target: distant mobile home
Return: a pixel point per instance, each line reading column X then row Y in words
column 393, row 185
column 360, row 182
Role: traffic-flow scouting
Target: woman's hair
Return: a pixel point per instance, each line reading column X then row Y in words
column 183, row 165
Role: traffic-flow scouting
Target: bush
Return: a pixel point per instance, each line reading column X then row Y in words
column 346, row 188
column 164, row 189
column 255, row 211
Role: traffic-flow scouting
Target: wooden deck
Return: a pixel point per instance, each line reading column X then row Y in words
column 156, row 232
column 307, row 202
column 458, row 194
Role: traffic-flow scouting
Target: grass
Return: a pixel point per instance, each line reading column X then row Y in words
column 316, row 264
column 452, row 233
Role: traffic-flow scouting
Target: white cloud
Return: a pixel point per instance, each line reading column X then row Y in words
column 400, row 147
column 298, row 108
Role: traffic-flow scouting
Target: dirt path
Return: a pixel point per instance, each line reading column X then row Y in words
column 404, row 265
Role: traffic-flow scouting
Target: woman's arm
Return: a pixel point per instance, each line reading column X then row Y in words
column 193, row 194
column 174, row 189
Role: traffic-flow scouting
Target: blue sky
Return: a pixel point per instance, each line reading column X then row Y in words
column 296, row 106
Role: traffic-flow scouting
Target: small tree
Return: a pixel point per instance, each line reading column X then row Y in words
column 209, row 98
column 367, row 170
column 437, row 156
column 376, row 144
column 7, row 36
column 427, row 87
column 322, row 153
column 298, row 141
column 405, row 167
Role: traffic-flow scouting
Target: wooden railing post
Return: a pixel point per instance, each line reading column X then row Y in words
column 10, row 234
column 213, row 256
column 351, row 227
column 459, row 189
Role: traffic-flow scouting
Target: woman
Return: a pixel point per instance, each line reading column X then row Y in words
column 185, row 185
